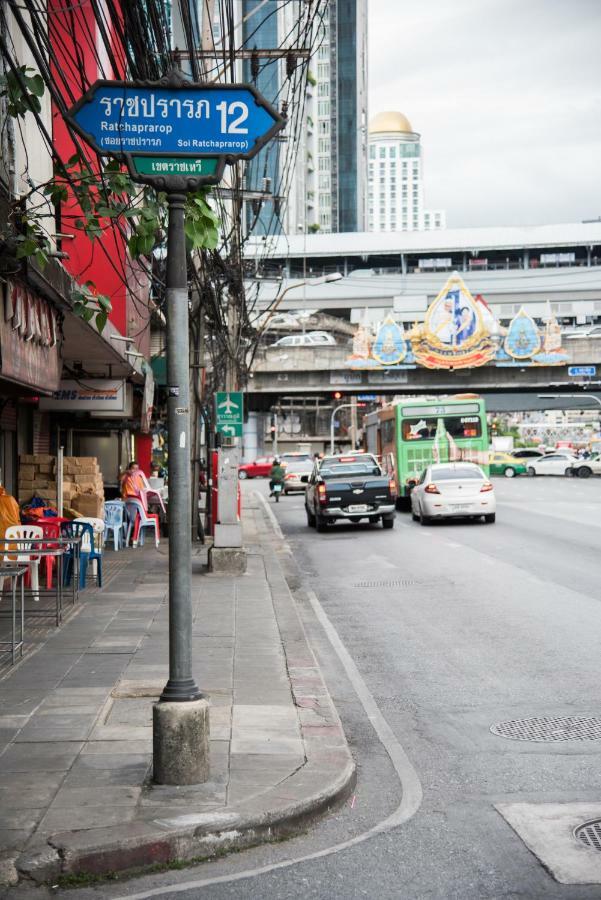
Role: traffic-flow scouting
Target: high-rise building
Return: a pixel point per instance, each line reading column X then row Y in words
column 329, row 191
column 395, row 198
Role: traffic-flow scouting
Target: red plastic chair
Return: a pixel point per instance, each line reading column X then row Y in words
column 52, row 530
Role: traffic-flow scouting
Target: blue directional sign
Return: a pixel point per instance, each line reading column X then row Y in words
column 582, row 371
column 119, row 118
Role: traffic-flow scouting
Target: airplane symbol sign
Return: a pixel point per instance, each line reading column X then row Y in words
column 229, row 408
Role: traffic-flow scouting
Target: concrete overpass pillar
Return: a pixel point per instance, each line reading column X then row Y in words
column 250, row 450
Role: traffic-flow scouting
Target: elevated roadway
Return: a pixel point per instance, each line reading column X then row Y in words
column 311, row 370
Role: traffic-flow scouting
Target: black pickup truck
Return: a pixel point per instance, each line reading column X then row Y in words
column 349, row 487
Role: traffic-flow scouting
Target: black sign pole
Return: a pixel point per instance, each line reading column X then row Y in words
column 181, row 685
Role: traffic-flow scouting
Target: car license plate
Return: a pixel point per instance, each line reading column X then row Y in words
column 358, row 507
column 462, row 505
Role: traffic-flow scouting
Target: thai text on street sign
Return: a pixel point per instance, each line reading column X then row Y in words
column 229, row 412
column 175, row 118
column 582, row 371
column 174, row 165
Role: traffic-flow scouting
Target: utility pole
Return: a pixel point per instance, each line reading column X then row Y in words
column 227, row 554
column 354, row 423
column 181, row 717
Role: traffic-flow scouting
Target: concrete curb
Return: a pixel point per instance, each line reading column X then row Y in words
column 325, row 780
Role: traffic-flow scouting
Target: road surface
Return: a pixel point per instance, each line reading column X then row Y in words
column 452, row 628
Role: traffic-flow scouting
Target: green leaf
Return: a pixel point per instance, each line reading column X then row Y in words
column 101, row 320
column 27, row 247
column 35, row 83
column 132, row 246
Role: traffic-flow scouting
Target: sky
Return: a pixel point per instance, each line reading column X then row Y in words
column 506, row 95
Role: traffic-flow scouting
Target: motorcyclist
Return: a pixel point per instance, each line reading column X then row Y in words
column 277, row 474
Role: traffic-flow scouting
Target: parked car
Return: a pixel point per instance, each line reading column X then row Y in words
column 351, row 488
column 506, row 464
column 453, row 490
column 292, row 457
column 527, row 453
column 309, row 339
column 584, row 468
column 260, row 468
column 553, row 464
column 294, row 472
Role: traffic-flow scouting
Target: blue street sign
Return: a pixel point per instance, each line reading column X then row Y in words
column 175, row 118
column 582, row 371
column 367, row 397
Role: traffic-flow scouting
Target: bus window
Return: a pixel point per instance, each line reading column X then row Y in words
column 387, row 431
column 457, row 427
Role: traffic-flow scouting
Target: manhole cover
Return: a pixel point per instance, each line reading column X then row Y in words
column 550, row 728
column 590, row 834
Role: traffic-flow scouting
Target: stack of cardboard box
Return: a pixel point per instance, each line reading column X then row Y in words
column 36, row 476
column 83, row 474
column 83, row 488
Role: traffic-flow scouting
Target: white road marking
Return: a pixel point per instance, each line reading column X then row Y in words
column 410, row 784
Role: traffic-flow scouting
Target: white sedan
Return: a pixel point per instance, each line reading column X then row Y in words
column 453, row 490
column 552, row 464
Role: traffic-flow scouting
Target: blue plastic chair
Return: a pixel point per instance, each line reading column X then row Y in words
column 87, row 552
column 113, row 521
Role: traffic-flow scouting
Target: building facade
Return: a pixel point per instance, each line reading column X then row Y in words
column 328, row 192
column 395, row 198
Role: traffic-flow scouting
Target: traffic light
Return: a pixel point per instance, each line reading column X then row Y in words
column 337, row 395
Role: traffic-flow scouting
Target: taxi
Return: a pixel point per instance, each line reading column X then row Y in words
column 506, row 464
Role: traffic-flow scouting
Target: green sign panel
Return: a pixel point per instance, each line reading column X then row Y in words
column 173, row 165
column 229, row 412
column 230, row 430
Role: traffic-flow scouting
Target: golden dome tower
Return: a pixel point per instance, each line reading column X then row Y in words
column 395, row 200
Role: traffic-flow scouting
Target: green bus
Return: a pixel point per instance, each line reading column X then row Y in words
column 411, row 434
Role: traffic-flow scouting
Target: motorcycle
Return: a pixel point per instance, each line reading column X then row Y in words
column 276, row 491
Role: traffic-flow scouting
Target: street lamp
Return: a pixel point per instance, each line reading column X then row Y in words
column 335, row 412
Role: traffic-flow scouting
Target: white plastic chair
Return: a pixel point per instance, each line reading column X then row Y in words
column 26, row 535
column 98, row 528
column 149, row 491
column 142, row 520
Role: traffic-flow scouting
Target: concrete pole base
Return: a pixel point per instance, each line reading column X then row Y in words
column 227, row 560
column 181, row 742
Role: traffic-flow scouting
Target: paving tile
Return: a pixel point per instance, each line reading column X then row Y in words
column 128, row 774
column 74, row 819
column 20, row 819
column 14, row 838
column 268, row 744
column 89, row 761
column 99, row 748
column 104, row 795
column 23, row 796
column 48, row 756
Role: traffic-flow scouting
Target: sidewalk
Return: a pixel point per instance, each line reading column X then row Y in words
column 76, row 735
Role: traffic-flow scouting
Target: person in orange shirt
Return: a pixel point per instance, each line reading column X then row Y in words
column 9, row 512
column 132, row 481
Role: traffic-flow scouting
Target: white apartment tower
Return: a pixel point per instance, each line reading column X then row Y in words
column 395, row 199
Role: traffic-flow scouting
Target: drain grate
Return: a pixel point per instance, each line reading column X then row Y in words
column 590, row 834
column 378, row 584
column 550, row 728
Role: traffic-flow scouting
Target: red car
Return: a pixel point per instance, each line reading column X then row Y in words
column 260, row 468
